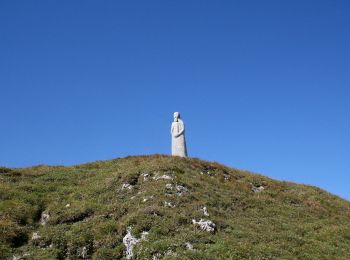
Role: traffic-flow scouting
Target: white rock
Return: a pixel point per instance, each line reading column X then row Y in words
column 168, row 204
column 24, row 256
column 189, row 246
column 167, row 253
column 178, row 141
column 44, row 218
column 127, row 186
column 206, row 172
column 147, row 198
column 144, row 235
column 180, row 190
column 145, row 176
column 156, row 256
column 257, row 188
column 169, row 186
column 170, row 253
column 83, row 252
column 35, row 236
column 67, row 205
column 164, row 177
column 206, row 225
column 130, row 242
column 205, row 211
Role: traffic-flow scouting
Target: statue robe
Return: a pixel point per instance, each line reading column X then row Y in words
column 178, row 144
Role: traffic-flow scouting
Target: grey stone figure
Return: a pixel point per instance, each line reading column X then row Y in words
column 178, row 142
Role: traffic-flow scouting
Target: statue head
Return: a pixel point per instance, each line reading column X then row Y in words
column 176, row 116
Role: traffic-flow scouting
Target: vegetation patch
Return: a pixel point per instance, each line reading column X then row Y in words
column 162, row 207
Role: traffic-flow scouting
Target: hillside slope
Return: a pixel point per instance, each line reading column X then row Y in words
column 161, row 207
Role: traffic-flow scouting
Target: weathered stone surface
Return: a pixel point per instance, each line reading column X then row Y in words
column 145, row 176
column 189, row 246
column 35, row 236
column 164, row 177
column 181, row 190
column 147, row 198
column 170, row 253
column 257, row 188
column 205, row 211
column 168, row 204
column 130, row 242
column 178, row 141
column 44, row 218
column 127, row 186
column 83, row 252
column 206, row 225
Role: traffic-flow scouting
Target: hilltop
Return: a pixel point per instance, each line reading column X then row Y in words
column 162, row 207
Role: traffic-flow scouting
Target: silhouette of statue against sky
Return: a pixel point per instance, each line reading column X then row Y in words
column 178, row 142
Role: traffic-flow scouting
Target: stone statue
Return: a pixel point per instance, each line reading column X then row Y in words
column 178, row 142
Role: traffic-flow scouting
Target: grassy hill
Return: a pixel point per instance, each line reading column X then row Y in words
column 166, row 208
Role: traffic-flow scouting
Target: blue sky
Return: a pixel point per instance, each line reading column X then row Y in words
column 261, row 85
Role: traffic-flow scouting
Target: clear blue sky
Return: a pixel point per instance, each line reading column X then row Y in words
column 261, row 85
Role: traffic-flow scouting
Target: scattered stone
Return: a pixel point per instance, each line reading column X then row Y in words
column 37, row 241
column 83, row 252
column 209, row 173
column 67, row 205
column 44, row 218
column 181, row 190
column 145, row 176
column 127, row 186
column 20, row 257
column 144, row 235
column 227, row 176
column 158, row 255
column 168, row 204
column 170, row 253
column 257, row 188
column 164, row 177
column 130, row 242
column 147, row 198
column 206, row 225
column 189, row 246
column 35, row 236
column 169, row 186
column 205, row 211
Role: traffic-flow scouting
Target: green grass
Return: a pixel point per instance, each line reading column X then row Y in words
column 284, row 221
